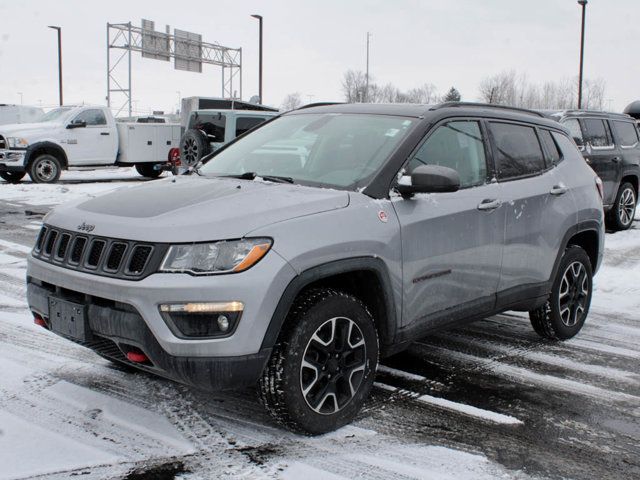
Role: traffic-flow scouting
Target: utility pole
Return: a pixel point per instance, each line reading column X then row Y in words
column 59, row 60
column 583, row 3
column 259, row 17
column 20, row 93
column 366, row 94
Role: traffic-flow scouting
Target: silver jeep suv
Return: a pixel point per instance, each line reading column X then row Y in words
column 329, row 236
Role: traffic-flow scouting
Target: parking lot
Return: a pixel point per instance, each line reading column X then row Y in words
column 490, row 400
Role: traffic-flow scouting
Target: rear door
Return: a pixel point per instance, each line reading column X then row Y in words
column 451, row 242
column 603, row 155
column 538, row 207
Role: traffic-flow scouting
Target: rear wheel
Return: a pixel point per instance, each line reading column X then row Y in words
column 12, row 177
column 148, row 170
column 621, row 216
column 44, row 168
column 322, row 368
column 564, row 314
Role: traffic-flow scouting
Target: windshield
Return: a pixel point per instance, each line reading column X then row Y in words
column 335, row 150
column 55, row 114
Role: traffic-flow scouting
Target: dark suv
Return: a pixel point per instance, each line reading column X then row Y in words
column 610, row 143
column 324, row 238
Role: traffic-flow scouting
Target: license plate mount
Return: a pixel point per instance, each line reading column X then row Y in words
column 68, row 319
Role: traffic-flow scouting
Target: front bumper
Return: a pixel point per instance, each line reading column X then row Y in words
column 259, row 289
column 12, row 160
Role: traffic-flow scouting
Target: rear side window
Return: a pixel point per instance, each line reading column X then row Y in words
column 597, row 132
column 457, row 145
column 244, row 124
column 627, row 133
column 212, row 124
column 567, row 147
column 518, row 150
column 550, row 146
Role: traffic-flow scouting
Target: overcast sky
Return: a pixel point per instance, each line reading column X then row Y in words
column 309, row 44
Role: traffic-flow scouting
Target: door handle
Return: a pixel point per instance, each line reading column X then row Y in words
column 559, row 189
column 616, row 159
column 489, row 204
column 104, row 133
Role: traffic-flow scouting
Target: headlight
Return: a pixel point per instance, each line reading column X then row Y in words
column 218, row 257
column 17, row 142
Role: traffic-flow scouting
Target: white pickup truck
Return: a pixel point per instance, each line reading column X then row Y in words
column 83, row 138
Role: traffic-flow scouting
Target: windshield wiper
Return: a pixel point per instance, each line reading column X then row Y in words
column 253, row 175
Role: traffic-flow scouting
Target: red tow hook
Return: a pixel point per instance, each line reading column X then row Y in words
column 137, row 357
column 38, row 320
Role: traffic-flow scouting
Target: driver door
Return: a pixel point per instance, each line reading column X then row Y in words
column 451, row 242
column 94, row 144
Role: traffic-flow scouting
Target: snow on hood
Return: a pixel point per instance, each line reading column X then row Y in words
column 193, row 209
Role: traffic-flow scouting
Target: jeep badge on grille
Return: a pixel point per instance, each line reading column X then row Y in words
column 85, row 227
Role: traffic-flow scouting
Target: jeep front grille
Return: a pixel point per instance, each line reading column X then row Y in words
column 108, row 257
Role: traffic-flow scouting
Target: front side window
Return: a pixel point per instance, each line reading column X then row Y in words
column 92, row 118
column 335, row 150
column 597, row 132
column 518, row 151
column 212, row 124
column 627, row 133
column 550, row 146
column 457, row 145
column 574, row 129
column 244, row 124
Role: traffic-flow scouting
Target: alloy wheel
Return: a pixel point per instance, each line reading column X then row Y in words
column 190, row 151
column 333, row 365
column 573, row 295
column 627, row 206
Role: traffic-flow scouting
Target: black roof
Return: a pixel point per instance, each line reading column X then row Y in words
column 416, row 110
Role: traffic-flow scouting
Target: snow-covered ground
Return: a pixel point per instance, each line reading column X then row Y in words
column 487, row 401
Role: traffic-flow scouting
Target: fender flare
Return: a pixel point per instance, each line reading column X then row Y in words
column 585, row 226
column 59, row 152
column 387, row 327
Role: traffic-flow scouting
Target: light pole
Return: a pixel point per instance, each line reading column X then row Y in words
column 20, row 93
column 179, row 101
column 583, row 3
column 366, row 88
column 59, row 60
column 259, row 17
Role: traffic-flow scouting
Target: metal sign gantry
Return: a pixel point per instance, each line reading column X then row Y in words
column 187, row 49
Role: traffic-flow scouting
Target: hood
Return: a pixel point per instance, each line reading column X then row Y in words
column 194, row 209
column 23, row 129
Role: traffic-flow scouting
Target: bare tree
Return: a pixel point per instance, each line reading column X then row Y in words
column 291, row 102
column 354, row 84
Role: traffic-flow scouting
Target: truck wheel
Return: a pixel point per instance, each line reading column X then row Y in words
column 44, row 168
column 322, row 368
column 620, row 217
column 564, row 314
column 193, row 147
column 148, row 170
column 12, row 177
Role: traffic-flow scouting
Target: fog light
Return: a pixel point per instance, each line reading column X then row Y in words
column 203, row 319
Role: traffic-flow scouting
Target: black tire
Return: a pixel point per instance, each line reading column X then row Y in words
column 193, row 146
column 148, row 170
column 303, row 359
column 564, row 314
column 621, row 215
column 12, row 177
column 44, row 168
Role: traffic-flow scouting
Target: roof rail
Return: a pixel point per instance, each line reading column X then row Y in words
column 486, row 105
column 594, row 112
column 318, row 104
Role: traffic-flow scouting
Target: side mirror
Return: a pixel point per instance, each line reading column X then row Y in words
column 431, row 179
column 77, row 124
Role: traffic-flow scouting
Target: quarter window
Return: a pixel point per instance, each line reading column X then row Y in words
column 93, row 117
column 597, row 132
column 627, row 132
column 518, row 151
column 550, row 146
column 457, row 145
column 244, row 124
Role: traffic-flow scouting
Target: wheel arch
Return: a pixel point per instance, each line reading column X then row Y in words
column 587, row 236
column 364, row 277
column 632, row 178
column 49, row 148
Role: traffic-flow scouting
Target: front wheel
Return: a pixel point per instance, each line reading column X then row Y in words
column 322, row 368
column 148, row 170
column 12, row 177
column 564, row 314
column 624, row 210
column 44, row 169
